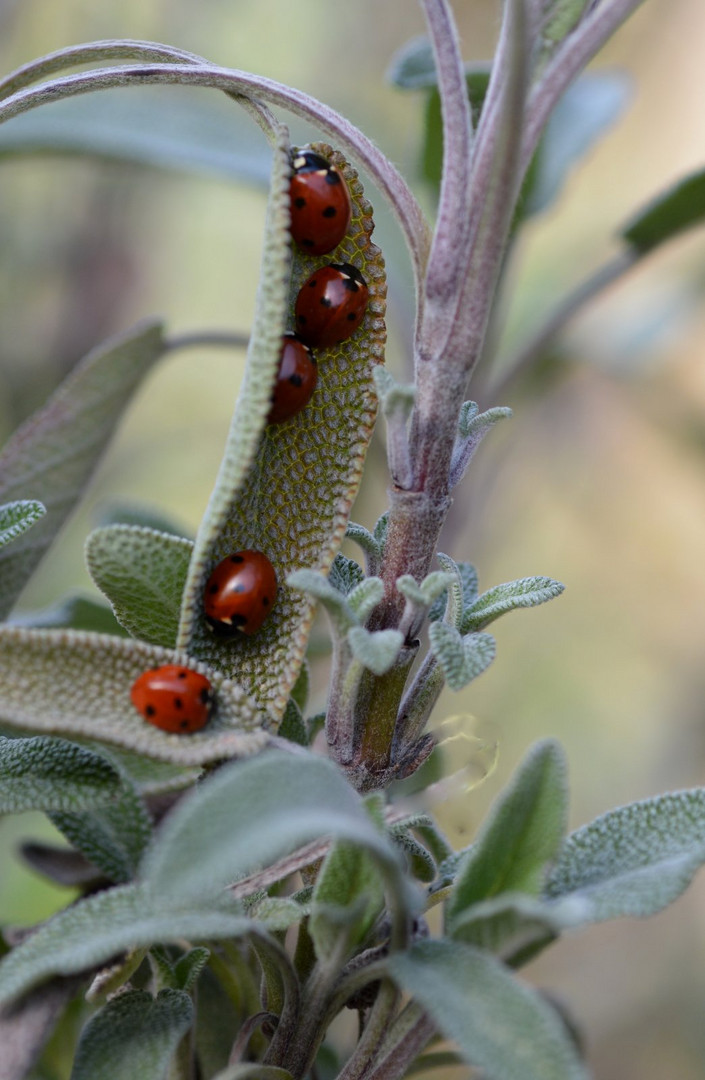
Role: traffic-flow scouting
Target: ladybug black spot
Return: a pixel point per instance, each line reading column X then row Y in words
column 204, row 696
column 213, row 590
column 265, row 601
column 329, row 212
column 295, row 379
column 351, row 316
column 307, row 243
column 299, row 203
column 236, row 558
column 183, row 725
column 178, row 703
column 301, row 319
column 150, row 710
column 326, row 301
column 238, row 620
column 182, row 674
column 312, row 283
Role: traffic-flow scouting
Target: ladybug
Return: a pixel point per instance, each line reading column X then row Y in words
column 240, row 593
column 173, row 698
column 320, row 204
column 330, row 305
column 296, row 379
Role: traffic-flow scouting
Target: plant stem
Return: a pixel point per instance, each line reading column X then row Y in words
column 375, row 1029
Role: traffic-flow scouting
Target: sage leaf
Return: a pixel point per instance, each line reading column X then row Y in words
column 526, row 592
column 142, row 572
column 51, row 457
column 17, row 517
column 680, row 207
column 52, row 774
column 520, row 836
column 500, row 1025
column 462, row 659
column 634, row 860
column 133, row 1035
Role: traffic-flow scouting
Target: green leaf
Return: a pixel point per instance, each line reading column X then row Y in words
column 51, row 774
column 421, row 863
column 17, row 517
column 680, row 207
column 188, row 967
column 73, row 612
column 520, row 836
column 468, row 579
column 526, row 592
column 98, row 928
column 462, row 659
column 345, row 574
column 133, row 1035
column 365, row 597
column 562, row 17
column 335, row 603
column 412, row 66
column 477, row 77
column 287, row 489
column 376, row 650
column 148, row 127
column 347, row 899
column 278, row 913
column 365, row 540
column 51, row 457
column 634, row 860
column 112, row 837
column 142, row 572
column 292, row 726
column 424, row 595
column 501, row 1026
column 78, row 685
column 585, row 111
column 250, row 813
column 514, row 926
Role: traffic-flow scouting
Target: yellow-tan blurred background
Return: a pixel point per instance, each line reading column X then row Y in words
column 599, row 480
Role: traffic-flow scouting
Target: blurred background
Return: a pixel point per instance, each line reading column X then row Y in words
column 599, row 480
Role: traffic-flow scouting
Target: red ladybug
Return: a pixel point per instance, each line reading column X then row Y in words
column 296, row 380
column 320, row 204
column 173, row 698
column 330, row 305
column 240, row 593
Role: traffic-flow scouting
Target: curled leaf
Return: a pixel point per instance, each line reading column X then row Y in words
column 287, row 489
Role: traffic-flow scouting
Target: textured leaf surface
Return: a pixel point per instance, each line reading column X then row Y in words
column 634, row 860
column 347, row 899
column 142, row 572
column 521, row 834
column 17, row 517
column 252, row 812
column 51, row 457
column 461, row 658
column 376, row 650
column 133, row 1035
column 51, row 774
column 501, row 1026
column 468, row 576
column 526, row 592
column 112, row 837
column 514, row 926
column 287, row 489
column 680, row 207
column 150, row 128
column 108, row 923
column 64, row 682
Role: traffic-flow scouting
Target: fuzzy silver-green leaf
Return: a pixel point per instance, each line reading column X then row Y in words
column 52, row 774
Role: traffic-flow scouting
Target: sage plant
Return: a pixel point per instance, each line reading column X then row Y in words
column 245, row 884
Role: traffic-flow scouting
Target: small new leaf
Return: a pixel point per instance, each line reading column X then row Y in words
column 432, row 586
column 462, row 599
column 462, row 659
column 526, row 592
column 347, row 899
column 17, row 517
column 376, row 650
column 345, row 574
column 133, row 1035
column 318, row 586
column 472, row 428
column 397, row 399
column 365, row 597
